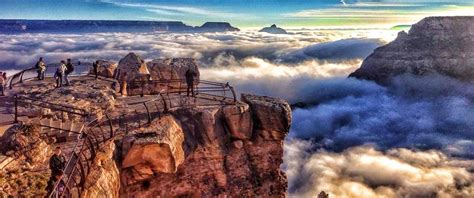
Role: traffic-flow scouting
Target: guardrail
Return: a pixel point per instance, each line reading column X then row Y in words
column 219, row 91
column 31, row 73
column 23, row 100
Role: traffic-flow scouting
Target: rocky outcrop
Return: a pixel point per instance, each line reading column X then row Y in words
column 273, row 30
column 107, row 68
column 25, row 176
column 132, row 67
column 152, row 150
column 442, row 45
column 103, row 179
column 91, row 96
column 235, row 150
column 172, row 68
column 272, row 116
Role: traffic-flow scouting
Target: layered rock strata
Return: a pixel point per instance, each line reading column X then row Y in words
column 235, row 150
column 435, row 45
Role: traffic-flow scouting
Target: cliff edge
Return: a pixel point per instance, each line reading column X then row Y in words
column 442, row 45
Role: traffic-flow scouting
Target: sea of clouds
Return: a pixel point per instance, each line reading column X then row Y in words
column 349, row 137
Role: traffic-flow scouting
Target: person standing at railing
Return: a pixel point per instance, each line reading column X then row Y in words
column 60, row 73
column 41, row 68
column 95, row 67
column 3, row 83
column 190, row 74
column 69, row 70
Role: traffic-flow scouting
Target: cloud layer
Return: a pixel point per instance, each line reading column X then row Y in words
column 365, row 172
column 211, row 49
column 430, row 112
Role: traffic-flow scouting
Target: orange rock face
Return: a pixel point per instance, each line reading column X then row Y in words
column 229, row 151
column 157, row 149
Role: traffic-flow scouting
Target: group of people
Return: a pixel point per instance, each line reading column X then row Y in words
column 62, row 72
column 3, row 83
column 66, row 68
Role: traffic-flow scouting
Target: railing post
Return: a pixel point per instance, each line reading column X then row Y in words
column 16, row 108
column 148, row 112
column 233, row 92
column 21, row 77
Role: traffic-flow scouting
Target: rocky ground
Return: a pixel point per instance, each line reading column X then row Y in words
column 26, row 175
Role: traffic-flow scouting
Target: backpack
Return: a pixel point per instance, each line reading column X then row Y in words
column 69, row 68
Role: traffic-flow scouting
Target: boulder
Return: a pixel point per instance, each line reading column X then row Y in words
column 155, row 149
column 107, row 68
column 132, row 67
column 435, row 45
column 172, row 68
column 272, row 116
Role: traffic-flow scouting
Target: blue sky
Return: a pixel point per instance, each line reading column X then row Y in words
column 242, row 13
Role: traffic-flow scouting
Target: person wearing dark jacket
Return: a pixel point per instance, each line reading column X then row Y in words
column 57, row 162
column 190, row 74
column 69, row 70
column 3, row 83
column 95, row 67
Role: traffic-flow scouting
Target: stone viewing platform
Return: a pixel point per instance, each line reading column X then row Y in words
column 134, row 130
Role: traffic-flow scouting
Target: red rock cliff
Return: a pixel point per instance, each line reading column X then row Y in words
column 235, row 150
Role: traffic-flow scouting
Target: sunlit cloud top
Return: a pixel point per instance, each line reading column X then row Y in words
column 243, row 13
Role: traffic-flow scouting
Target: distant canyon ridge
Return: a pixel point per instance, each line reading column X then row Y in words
column 14, row 26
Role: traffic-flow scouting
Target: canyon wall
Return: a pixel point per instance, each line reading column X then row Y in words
column 442, row 45
column 234, row 150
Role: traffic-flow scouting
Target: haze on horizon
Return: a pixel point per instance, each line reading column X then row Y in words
column 243, row 13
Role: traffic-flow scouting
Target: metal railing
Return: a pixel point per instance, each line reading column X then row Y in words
column 94, row 134
column 28, row 102
column 216, row 90
column 32, row 73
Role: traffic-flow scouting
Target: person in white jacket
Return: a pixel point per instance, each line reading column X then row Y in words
column 60, row 73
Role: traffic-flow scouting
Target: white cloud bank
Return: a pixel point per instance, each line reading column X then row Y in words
column 365, row 172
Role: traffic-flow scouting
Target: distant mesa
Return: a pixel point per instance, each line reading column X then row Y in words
column 274, row 30
column 216, row 27
column 13, row 26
